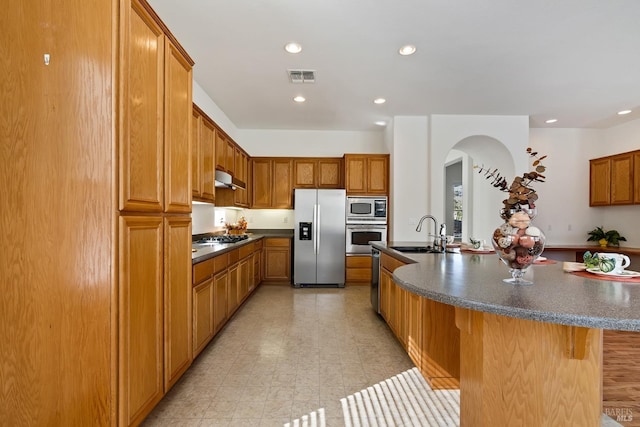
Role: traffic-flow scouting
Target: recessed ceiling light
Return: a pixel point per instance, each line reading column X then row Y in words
column 293, row 47
column 299, row 98
column 623, row 112
column 407, row 50
column 379, row 101
column 551, row 121
column 381, row 123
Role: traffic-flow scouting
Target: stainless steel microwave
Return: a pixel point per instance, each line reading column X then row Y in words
column 367, row 210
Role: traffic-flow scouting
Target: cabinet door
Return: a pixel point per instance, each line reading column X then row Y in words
column 142, row 114
column 221, row 151
column 196, row 156
column 178, row 349
column 355, row 174
column 385, row 294
column 261, row 183
column 220, row 284
column 378, row 175
column 414, row 327
column 140, row 322
column 232, row 290
column 243, row 280
column 329, row 172
column 230, row 157
column 177, row 131
column 304, row 173
column 282, row 193
column 600, row 182
column 277, row 259
column 622, row 179
column 203, row 319
column 208, row 142
column 636, row 177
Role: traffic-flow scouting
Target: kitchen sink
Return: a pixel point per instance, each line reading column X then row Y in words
column 413, row 249
column 417, row 249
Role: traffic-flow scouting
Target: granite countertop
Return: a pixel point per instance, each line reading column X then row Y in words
column 474, row 281
column 206, row 251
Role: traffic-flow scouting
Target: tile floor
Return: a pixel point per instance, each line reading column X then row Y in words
column 287, row 352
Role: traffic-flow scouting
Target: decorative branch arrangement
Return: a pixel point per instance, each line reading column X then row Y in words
column 520, row 191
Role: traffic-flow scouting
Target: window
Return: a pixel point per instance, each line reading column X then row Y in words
column 457, row 211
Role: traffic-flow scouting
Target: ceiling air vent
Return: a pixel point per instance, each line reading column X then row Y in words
column 302, row 76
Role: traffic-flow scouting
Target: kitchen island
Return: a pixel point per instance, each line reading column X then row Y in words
column 529, row 355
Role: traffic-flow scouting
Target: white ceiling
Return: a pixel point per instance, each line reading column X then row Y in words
column 574, row 60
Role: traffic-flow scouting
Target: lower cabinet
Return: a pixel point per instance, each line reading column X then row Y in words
column 358, row 270
column 154, row 324
column 277, row 259
column 425, row 328
column 220, row 285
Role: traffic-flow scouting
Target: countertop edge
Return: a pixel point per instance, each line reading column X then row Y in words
column 569, row 319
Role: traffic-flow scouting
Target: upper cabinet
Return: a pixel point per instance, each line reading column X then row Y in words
column 203, row 156
column 615, row 180
column 366, row 174
column 317, row 172
column 271, row 183
column 156, row 117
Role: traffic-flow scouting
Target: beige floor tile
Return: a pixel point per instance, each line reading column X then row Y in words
column 285, row 353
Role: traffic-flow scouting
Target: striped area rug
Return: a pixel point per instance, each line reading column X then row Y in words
column 401, row 401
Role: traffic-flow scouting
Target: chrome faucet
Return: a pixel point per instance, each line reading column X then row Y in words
column 440, row 240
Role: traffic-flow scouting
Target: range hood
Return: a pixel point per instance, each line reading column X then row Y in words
column 225, row 180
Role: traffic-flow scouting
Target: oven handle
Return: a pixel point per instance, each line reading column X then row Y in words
column 362, row 226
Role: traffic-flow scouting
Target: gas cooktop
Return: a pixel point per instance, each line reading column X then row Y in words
column 226, row 238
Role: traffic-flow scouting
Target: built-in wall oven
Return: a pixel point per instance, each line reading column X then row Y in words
column 359, row 236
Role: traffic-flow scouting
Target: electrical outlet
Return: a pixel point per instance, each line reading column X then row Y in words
column 569, row 227
column 285, row 219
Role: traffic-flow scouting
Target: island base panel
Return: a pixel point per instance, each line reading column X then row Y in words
column 525, row 373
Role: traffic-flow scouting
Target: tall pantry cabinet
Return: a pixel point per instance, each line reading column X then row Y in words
column 95, row 208
column 154, row 274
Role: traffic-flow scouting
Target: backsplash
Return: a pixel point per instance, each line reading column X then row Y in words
column 208, row 218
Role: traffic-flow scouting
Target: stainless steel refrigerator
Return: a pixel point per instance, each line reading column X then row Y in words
column 319, row 238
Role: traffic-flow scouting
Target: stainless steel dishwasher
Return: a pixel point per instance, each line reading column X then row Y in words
column 375, row 279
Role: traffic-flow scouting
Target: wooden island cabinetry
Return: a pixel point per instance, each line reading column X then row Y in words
column 615, row 180
column 425, row 328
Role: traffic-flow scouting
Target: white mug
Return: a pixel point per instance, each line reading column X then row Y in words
column 622, row 261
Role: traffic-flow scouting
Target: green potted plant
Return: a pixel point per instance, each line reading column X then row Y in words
column 604, row 238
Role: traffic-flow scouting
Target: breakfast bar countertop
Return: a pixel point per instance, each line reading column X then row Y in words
column 475, row 282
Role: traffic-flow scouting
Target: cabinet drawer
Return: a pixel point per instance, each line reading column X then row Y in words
column 246, row 250
column 358, row 275
column 277, row 241
column 202, row 271
column 358, row 262
column 390, row 263
column 220, row 263
column 257, row 245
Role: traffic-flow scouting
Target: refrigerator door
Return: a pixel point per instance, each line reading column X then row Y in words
column 331, row 237
column 304, row 251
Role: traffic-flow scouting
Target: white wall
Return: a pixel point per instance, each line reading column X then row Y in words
column 309, row 143
column 409, row 179
column 447, row 131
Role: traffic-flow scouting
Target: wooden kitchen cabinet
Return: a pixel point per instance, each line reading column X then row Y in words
column 203, row 157
column 366, row 174
column 178, row 350
column 196, row 156
column 358, row 270
column 140, row 322
column 277, row 259
column 636, row 177
column 317, row 172
column 414, row 327
column 622, row 179
column 238, row 197
column 203, row 315
column 220, row 285
column 614, row 180
column 177, row 130
column 221, row 152
column 271, row 183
